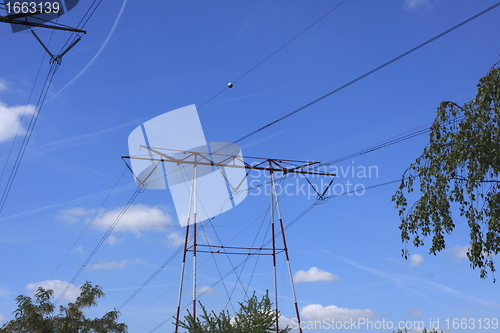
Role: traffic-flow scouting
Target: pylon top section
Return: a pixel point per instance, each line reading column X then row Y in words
column 25, row 15
column 204, row 158
column 171, row 151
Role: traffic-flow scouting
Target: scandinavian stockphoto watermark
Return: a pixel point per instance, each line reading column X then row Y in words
column 350, row 180
column 369, row 324
column 208, row 178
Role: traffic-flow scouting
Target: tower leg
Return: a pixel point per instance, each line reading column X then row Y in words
column 288, row 261
column 186, row 240
column 286, row 252
column 194, row 198
column 181, row 283
column 273, row 235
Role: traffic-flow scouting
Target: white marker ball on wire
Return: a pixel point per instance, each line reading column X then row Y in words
column 229, row 85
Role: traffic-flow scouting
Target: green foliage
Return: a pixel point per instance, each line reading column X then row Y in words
column 461, row 166
column 37, row 316
column 254, row 316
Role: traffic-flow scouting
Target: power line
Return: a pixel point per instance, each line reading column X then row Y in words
column 234, row 268
column 393, row 140
column 396, row 139
column 80, row 26
column 138, row 191
column 88, row 224
column 264, row 60
column 48, row 80
column 138, row 290
column 167, row 262
column 369, row 73
column 377, row 146
column 356, row 79
column 297, row 218
column 24, row 143
column 342, row 87
column 22, row 117
column 277, row 50
column 55, row 63
column 386, row 143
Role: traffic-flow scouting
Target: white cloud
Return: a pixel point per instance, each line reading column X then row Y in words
column 416, row 259
column 394, row 260
column 10, row 120
column 58, row 286
column 415, row 313
column 4, row 85
column 113, row 240
column 332, row 312
column 459, row 252
column 79, row 248
column 206, row 290
column 137, row 218
column 74, row 215
column 4, row 291
column 109, row 265
column 2, row 318
column 174, row 239
column 114, row 264
column 285, row 321
column 78, row 140
column 314, row 274
column 411, row 4
column 409, row 282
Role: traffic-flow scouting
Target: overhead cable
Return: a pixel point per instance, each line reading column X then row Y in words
column 369, row 73
column 272, row 54
column 138, row 191
column 29, row 131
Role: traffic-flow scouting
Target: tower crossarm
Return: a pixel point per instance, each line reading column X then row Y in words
column 230, row 161
column 18, row 20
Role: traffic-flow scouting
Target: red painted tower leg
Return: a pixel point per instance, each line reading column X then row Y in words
column 177, row 315
column 195, row 199
column 273, row 235
column 181, row 283
column 288, row 261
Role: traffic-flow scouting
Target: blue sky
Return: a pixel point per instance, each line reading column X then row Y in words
column 138, row 61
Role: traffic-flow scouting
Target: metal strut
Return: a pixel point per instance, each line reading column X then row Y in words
column 194, row 240
column 56, row 58
column 270, row 165
column 322, row 195
column 192, row 195
column 17, row 19
column 286, row 254
column 273, row 235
